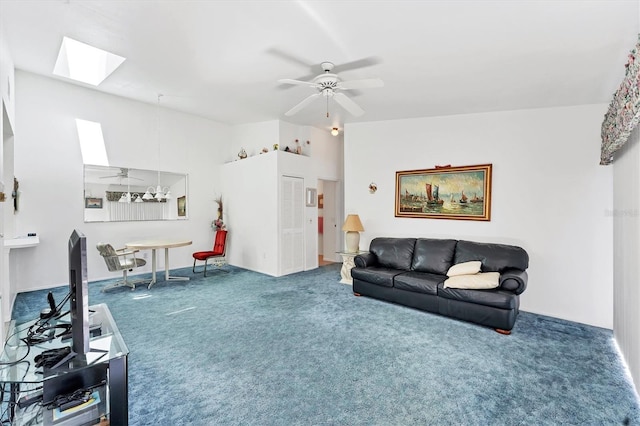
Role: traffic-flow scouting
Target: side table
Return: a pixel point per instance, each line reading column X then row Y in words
column 347, row 265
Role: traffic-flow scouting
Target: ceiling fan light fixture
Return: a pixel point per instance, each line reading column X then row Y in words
column 330, row 86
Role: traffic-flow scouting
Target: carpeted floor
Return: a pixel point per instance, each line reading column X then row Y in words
column 241, row 348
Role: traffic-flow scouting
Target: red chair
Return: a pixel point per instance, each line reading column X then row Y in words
column 217, row 254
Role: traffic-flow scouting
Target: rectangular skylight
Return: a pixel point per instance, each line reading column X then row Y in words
column 92, row 143
column 81, row 62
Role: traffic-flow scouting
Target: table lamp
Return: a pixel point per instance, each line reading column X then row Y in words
column 353, row 226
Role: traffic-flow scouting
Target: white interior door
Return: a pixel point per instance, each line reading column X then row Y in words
column 331, row 233
column 291, row 225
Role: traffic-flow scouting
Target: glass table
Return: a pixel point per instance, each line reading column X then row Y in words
column 35, row 390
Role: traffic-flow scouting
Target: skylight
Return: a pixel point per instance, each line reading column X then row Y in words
column 81, row 62
column 92, row 143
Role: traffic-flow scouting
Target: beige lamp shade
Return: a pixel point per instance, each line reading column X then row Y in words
column 352, row 223
column 353, row 226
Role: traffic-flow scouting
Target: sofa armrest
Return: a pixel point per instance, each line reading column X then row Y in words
column 514, row 280
column 366, row 259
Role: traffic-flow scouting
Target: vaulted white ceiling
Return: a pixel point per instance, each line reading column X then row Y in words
column 222, row 59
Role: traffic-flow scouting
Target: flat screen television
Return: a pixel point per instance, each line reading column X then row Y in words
column 79, row 292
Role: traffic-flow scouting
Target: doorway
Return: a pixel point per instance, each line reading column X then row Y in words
column 328, row 222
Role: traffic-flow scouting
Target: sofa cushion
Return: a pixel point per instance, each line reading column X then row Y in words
column 494, row 257
column 375, row 275
column 482, row 280
column 394, row 253
column 496, row 298
column 418, row 282
column 434, row 256
column 465, row 268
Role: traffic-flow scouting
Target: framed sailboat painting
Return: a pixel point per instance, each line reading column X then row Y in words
column 445, row 193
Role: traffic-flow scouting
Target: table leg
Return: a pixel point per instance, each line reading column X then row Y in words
column 166, row 269
column 166, row 263
column 154, row 263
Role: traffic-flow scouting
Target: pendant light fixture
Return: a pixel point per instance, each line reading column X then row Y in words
column 159, row 193
column 126, row 196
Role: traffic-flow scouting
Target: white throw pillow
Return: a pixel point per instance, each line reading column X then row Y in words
column 466, row 268
column 480, row 281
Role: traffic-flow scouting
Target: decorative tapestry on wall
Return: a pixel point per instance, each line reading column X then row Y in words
column 624, row 111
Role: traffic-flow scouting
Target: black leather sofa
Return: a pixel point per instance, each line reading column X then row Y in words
column 412, row 271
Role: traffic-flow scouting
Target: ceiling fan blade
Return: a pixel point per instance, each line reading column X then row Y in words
column 119, row 177
column 348, row 104
column 306, row 101
column 124, row 174
column 360, row 63
column 361, row 84
column 297, row 82
column 289, row 57
column 313, row 68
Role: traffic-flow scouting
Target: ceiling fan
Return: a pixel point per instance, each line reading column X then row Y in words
column 329, row 85
column 123, row 173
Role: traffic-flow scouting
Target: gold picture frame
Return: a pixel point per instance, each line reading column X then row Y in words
column 445, row 193
column 182, row 206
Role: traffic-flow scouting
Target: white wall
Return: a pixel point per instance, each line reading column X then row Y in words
column 7, row 130
column 288, row 133
column 252, row 137
column 7, row 78
column 250, row 198
column 250, row 189
column 330, row 148
column 325, row 149
column 7, row 122
column 49, row 166
column 550, row 196
column 626, row 252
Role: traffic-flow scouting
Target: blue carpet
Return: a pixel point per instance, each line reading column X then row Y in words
column 242, row 348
